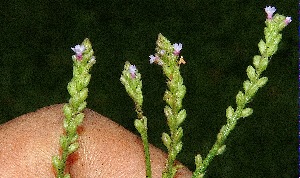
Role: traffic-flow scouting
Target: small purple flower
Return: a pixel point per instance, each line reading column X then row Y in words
column 177, row 48
column 270, row 11
column 152, row 59
column 287, row 20
column 155, row 59
column 78, row 49
column 132, row 70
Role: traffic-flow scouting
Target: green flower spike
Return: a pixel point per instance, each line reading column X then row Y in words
column 131, row 79
column 274, row 25
column 73, row 111
column 168, row 57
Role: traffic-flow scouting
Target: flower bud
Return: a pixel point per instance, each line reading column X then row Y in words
column 72, row 88
column 256, row 60
column 251, row 73
column 87, row 44
column 263, row 64
column 229, row 112
column 67, row 111
column 251, row 92
column 261, row 46
column 198, row 160
column 86, row 80
column 83, row 94
column 240, row 99
column 56, row 162
column 139, row 125
column 178, row 133
column 246, row 112
column 262, row 81
column 63, row 141
column 79, row 118
column 168, row 98
column 66, row 123
column 67, row 176
column 219, row 136
column 178, row 147
column 72, row 127
column 74, row 138
column 181, row 91
column 73, row 147
column 246, row 85
column 166, row 139
column 168, row 111
column 221, row 150
column 181, row 117
column 82, row 106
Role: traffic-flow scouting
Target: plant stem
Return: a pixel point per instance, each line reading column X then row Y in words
column 144, row 136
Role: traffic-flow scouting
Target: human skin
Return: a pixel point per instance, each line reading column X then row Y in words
column 28, row 142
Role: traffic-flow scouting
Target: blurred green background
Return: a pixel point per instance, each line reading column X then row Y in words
column 219, row 40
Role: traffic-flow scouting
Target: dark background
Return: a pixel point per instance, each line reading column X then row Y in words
column 219, row 40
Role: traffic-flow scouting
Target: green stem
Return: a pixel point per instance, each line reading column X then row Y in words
column 170, row 163
column 147, row 154
column 61, row 172
column 214, row 151
column 144, row 135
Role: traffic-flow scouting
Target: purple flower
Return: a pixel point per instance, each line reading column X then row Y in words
column 152, row 59
column 270, row 11
column 132, row 70
column 155, row 59
column 287, row 20
column 78, row 49
column 177, row 48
